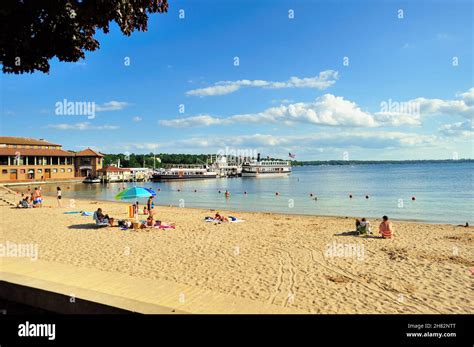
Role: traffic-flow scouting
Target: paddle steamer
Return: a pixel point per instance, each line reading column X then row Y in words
column 266, row 168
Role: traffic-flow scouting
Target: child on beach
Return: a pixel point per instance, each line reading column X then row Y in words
column 385, row 228
column 363, row 227
column 58, row 195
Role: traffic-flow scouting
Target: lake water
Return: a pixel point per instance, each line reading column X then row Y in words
column 444, row 192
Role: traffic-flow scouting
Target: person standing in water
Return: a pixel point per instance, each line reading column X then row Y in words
column 58, row 196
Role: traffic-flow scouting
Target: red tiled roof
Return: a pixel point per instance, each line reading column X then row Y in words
column 38, row 152
column 11, row 140
column 88, row 152
column 113, row 169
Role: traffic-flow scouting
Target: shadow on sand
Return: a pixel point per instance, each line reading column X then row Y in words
column 354, row 233
column 88, row 226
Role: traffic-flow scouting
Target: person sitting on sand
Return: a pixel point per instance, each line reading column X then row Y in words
column 363, row 227
column 220, row 218
column 24, row 203
column 101, row 217
column 385, row 228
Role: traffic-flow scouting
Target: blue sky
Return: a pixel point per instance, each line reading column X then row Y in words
column 399, row 97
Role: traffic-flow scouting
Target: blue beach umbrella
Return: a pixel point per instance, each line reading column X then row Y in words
column 135, row 193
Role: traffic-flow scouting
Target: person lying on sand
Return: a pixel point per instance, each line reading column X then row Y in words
column 363, row 227
column 220, row 218
column 386, row 228
column 149, row 221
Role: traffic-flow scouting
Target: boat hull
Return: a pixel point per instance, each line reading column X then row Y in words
column 181, row 178
column 266, row 174
column 91, row 181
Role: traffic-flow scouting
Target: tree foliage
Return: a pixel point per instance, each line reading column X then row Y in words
column 161, row 159
column 35, row 31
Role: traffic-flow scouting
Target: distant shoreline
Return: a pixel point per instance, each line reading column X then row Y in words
column 364, row 162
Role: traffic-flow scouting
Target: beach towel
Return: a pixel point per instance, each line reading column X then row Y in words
column 86, row 214
column 235, row 220
column 231, row 220
column 165, row 226
column 73, row 212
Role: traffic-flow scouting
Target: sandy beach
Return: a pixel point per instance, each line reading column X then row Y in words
column 303, row 264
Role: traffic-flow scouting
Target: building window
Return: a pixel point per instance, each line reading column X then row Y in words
column 22, row 171
column 40, row 171
column 62, row 170
column 4, row 172
column 69, row 170
column 3, row 160
column 55, row 170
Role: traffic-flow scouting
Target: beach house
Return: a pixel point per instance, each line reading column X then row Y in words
column 27, row 159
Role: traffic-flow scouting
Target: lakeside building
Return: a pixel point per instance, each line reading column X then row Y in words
column 114, row 174
column 88, row 162
column 27, row 159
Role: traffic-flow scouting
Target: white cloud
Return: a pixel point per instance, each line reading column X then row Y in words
column 137, row 119
column 282, row 101
column 467, row 97
column 412, row 112
column 331, row 110
column 81, row 126
column 194, row 121
column 458, row 129
column 369, row 139
column 397, row 118
column 325, row 110
column 324, row 80
column 430, row 107
column 112, row 106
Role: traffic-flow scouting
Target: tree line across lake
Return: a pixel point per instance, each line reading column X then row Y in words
column 162, row 159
